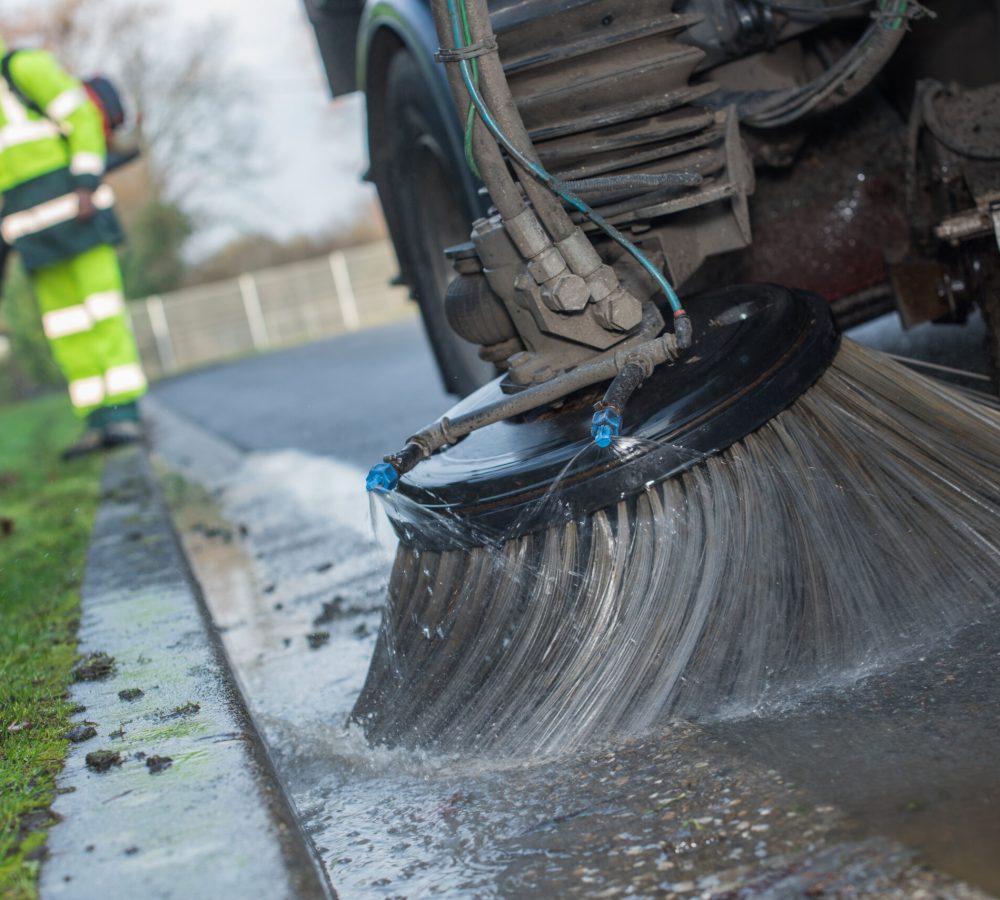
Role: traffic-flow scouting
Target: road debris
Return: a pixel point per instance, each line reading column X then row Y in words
column 102, row 760
column 317, row 639
column 158, row 763
column 94, row 667
column 80, row 733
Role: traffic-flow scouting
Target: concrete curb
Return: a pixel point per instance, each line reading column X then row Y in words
column 215, row 822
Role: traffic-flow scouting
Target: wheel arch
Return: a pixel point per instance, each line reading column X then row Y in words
column 389, row 27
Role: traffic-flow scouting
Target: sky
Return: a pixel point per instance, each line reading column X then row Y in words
column 312, row 147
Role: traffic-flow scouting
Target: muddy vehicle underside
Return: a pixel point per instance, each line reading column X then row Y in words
column 806, row 144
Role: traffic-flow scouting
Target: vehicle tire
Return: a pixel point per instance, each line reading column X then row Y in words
column 430, row 211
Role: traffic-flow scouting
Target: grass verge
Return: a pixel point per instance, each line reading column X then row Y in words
column 46, row 513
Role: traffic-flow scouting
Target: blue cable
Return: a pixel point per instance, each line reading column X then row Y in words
column 554, row 183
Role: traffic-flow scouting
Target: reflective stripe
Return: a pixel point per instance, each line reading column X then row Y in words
column 51, row 212
column 124, row 379
column 105, row 305
column 66, row 103
column 13, row 111
column 86, row 391
column 60, row 323
column 87, row 164
column 26, row 132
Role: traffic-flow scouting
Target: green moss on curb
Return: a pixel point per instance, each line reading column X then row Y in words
column 48, row 508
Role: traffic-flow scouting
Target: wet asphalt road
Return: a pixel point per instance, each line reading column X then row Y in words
column 353, row 397
column 912, row 755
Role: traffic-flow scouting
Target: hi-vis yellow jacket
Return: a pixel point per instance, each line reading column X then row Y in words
column 45, row 155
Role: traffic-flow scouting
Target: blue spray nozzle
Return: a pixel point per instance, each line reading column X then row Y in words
column 605, row 427
column 382, row 478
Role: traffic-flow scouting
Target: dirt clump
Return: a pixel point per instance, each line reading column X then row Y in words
column 158, row 763
column 102, row 760
column 80, row 733
column 130, row 694
column 317, row 639
column 336, row 609
column 94, row 667
column 185, row 709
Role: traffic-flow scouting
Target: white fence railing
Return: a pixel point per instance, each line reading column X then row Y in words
column 276, row 307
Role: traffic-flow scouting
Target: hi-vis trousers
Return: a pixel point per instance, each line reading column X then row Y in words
column 83, row 315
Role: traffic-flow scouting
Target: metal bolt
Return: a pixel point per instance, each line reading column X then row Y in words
column 566, row 293
column 619, row 312
column 602, row 282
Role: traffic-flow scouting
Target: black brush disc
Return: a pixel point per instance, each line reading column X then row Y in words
column 756, row 349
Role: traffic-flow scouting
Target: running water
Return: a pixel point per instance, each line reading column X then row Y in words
column 858, row 525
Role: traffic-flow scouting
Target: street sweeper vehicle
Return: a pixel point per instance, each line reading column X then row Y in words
column 681, row 490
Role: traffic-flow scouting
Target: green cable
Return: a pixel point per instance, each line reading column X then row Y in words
column 470, row 158
column 900, row 8
column 470, row 119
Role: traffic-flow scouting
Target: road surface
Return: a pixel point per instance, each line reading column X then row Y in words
column 847, row 792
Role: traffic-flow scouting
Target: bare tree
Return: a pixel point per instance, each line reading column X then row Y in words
column 193, row 117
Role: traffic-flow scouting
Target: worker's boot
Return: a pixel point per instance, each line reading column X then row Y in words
column 92, row 438
column 122, row 425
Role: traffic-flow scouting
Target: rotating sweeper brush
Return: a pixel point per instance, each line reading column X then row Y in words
column 639, row 519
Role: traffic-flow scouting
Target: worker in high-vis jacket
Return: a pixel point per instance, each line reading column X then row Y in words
column 59, row 216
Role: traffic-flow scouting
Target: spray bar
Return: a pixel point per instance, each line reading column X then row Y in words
column 384, row 476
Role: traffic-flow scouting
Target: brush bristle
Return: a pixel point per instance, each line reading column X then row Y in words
column 857, row 526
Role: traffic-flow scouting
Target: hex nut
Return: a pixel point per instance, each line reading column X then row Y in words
column 546, row 265
column 566, row 293
column 527, row 233
column 619, row 312
column 602, row 282
column 579, row 253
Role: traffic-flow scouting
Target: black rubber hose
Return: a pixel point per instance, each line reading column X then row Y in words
column 839, row 84
column 605, row 183
column 625, row 384
column 407, row 458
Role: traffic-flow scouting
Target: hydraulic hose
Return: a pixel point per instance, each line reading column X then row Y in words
column 492, row 169
column 607, row 422
column 843, row 81
column 497, row 96
column 682, row 325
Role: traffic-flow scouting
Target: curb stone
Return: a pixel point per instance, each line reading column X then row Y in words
column 209, row 818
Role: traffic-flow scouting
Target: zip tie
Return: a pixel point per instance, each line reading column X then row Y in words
column 909, row 10
column 458, row 54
